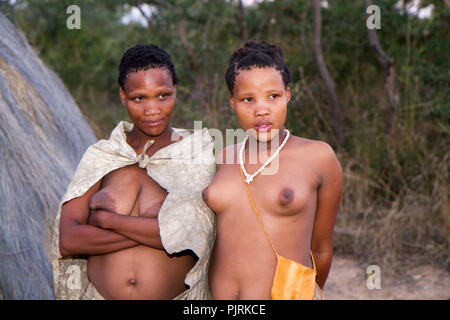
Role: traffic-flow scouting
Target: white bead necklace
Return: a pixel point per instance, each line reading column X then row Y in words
column 249, row 177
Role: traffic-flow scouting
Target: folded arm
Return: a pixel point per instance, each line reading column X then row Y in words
column 76, row 237
column 143, row 230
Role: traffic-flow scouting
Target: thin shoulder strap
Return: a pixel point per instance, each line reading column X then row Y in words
column 257, row 213
column 312, row 258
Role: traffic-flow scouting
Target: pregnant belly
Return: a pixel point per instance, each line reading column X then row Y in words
column 139, row 273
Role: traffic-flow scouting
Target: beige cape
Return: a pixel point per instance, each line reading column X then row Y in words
column 183, row 169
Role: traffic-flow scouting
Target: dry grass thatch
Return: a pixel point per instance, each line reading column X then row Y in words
column 42, row 138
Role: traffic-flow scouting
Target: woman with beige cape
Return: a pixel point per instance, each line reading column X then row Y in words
column 132, row 223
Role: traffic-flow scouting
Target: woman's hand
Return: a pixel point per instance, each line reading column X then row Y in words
column 142, row 230
column 101, row 218
column 79, row 234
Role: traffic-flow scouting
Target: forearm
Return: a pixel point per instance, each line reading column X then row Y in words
column 140, row 229
column 323, row 265
column 83, row 239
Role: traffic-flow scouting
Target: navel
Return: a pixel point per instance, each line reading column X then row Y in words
column 286, row 196
column 132, row 281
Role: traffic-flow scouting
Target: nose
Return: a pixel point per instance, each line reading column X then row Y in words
column 151, row 108
column 261, row 110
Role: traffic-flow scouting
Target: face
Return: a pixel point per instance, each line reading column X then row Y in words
column 260, row 101
column 149, row 97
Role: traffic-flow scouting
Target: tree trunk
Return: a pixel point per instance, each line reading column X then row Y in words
column 389, row 76
column 324, row 73
column 198, row 89
column 243, row 21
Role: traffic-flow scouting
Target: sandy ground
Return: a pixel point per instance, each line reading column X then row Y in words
column 347, row 280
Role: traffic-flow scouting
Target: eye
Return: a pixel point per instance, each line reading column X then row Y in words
column 274, row 95
column 247, row 99
column 138, row 98
column 164, row 95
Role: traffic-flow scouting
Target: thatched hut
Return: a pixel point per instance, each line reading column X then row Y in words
column 42, row 138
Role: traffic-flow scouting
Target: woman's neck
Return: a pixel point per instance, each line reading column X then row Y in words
column 137, row 139
column 255, row 146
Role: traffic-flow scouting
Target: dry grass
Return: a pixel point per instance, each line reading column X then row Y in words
column 394, row 210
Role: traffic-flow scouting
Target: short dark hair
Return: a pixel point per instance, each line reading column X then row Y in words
column 143, row 57
column 260, row 54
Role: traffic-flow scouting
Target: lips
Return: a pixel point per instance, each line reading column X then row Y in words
column 153, row 123
column 263, row 125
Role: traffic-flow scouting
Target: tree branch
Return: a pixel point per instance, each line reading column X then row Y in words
column 389, row 74
column 243, row 21
column 263, row 23
column 186, row 45
column 328, row 80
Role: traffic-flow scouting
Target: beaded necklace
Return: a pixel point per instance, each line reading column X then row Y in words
column 249, row 177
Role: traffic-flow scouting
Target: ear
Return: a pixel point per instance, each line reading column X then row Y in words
column 123, row 97
column 288, row 94
column 231, row 101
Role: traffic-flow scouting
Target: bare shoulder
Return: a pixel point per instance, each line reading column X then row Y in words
column 317, row 147
column 318, row 152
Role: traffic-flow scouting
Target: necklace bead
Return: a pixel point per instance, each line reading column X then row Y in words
column 249, row 177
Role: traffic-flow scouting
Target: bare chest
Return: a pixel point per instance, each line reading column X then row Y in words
column 129, row 191
column 284, row 193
